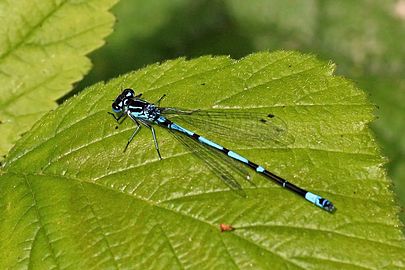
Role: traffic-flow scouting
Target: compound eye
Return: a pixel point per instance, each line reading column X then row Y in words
column 116, row 107
column 128, row 93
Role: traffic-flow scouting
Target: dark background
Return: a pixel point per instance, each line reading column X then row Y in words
column 366, row 40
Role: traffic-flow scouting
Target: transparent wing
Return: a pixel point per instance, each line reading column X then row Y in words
column 227, row 169
column 250, row 128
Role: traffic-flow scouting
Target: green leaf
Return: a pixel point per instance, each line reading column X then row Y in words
column 70, row 197
column 364, row 37
column 43, row 44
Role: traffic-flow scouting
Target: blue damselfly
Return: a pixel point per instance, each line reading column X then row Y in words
column 219, row 159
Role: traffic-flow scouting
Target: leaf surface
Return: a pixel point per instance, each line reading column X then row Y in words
column 70, row 198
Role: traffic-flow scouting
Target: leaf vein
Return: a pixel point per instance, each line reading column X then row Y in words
column 32, row 30
column 101, row 230
column 269, row 226
column 41, row 224
column 172, row 249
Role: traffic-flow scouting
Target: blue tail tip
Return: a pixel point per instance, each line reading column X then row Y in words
column 320, row 202
column 328, row 206
column 325, row 204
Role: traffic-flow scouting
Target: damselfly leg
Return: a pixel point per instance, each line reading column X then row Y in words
column 138, row 127
column 122, row 115
column 159, row 100
column 155, row 141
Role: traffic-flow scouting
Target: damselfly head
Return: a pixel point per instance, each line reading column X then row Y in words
column 122, row 100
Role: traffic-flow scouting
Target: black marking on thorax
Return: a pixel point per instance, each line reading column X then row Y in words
column 137, row 105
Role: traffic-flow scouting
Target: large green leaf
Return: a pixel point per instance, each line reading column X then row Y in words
column 364, row 37
column 43, row 44
column 70, row 197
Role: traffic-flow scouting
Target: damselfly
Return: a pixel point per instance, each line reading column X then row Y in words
column 144, row 113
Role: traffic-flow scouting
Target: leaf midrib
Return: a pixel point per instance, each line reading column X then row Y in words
column 32, row 30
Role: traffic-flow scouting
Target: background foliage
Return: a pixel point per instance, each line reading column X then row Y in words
column 365, row 38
